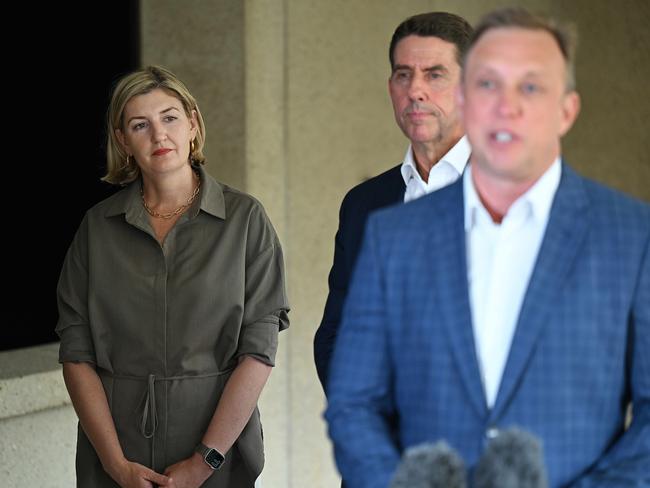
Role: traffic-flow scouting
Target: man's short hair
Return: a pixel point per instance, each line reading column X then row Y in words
column 443, row 25
column 564, row 34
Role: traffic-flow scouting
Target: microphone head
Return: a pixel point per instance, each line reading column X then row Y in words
column 513, row 459
column 430, row 466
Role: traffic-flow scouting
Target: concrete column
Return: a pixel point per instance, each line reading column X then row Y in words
column 267, row 179
column 202, row 43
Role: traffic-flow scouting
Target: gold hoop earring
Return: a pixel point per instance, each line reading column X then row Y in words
column 191, row 156
column 127, row 163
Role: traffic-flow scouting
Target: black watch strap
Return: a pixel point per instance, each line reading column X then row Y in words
column 210, row 455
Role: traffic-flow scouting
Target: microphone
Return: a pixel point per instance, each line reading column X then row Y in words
column 430, row 466
column 513, row 459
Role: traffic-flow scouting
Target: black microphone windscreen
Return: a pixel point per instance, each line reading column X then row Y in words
column 430, row 466
column 513, row 459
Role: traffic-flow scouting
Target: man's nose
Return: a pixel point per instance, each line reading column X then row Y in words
column 509, row 103
column 417, row 88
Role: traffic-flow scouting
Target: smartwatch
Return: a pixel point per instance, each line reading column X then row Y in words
column 211, row 456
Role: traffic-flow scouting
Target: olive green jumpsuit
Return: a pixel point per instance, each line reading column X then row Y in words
column 165, row 325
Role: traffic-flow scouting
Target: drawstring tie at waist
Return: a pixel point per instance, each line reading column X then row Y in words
column 149, row 407
column 149, row 416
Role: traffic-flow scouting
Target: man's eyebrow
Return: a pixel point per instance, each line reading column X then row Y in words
column 402, row 66
column 436, row 67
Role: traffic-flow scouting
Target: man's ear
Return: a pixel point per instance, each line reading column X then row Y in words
column 459, row 95
column 570, row 109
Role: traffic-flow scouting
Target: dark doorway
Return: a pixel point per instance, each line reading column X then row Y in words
column 61, row 97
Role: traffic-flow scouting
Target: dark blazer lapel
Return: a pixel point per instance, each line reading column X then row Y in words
column 565, row 233
column 450, row 276
column 397, row 187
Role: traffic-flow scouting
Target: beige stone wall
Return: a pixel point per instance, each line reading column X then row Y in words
column 610, row 141
column 38, row 426
column 294, row 94
column 202, row 43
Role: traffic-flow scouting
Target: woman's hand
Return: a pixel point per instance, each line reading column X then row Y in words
column 133, row 475
column 89, row 401
column 231, row 415
column 188, row 473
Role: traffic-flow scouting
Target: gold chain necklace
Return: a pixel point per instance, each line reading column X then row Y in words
column 175, row 212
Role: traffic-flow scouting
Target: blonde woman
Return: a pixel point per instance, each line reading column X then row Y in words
column 170, row 301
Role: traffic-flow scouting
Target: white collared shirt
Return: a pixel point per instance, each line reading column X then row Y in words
column 500, row 261
column 447, row 170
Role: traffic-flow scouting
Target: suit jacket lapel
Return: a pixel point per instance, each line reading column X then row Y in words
column 565, row 232
column 398, row 187
column 450, row 275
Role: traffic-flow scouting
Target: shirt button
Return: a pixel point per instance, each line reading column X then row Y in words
column 492, row 433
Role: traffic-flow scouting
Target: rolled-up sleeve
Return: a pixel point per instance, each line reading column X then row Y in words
column 72, row 292
column 266, row 306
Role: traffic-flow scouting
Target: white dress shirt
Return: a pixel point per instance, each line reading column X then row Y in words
column 500, row 261
column 447, row 170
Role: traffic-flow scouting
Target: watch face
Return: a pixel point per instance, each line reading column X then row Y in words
column 214, row 458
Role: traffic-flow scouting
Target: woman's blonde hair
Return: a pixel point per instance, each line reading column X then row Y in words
column 121, row 168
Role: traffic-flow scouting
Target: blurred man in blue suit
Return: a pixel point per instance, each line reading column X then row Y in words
column 525, row 301
column 425, row 55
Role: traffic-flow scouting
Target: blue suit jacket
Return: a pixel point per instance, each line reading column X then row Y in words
column 377, row 192
column 580, row 353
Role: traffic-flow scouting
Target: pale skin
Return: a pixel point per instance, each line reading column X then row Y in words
column 516, row 107
column 422, row 89
column 157, row 133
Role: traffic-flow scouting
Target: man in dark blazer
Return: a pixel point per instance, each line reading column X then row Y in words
column 425, row 54
column 525, row 301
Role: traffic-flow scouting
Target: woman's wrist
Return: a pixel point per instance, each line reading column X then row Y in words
column 116, row 467
column 199, row 467
column 199, row 464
